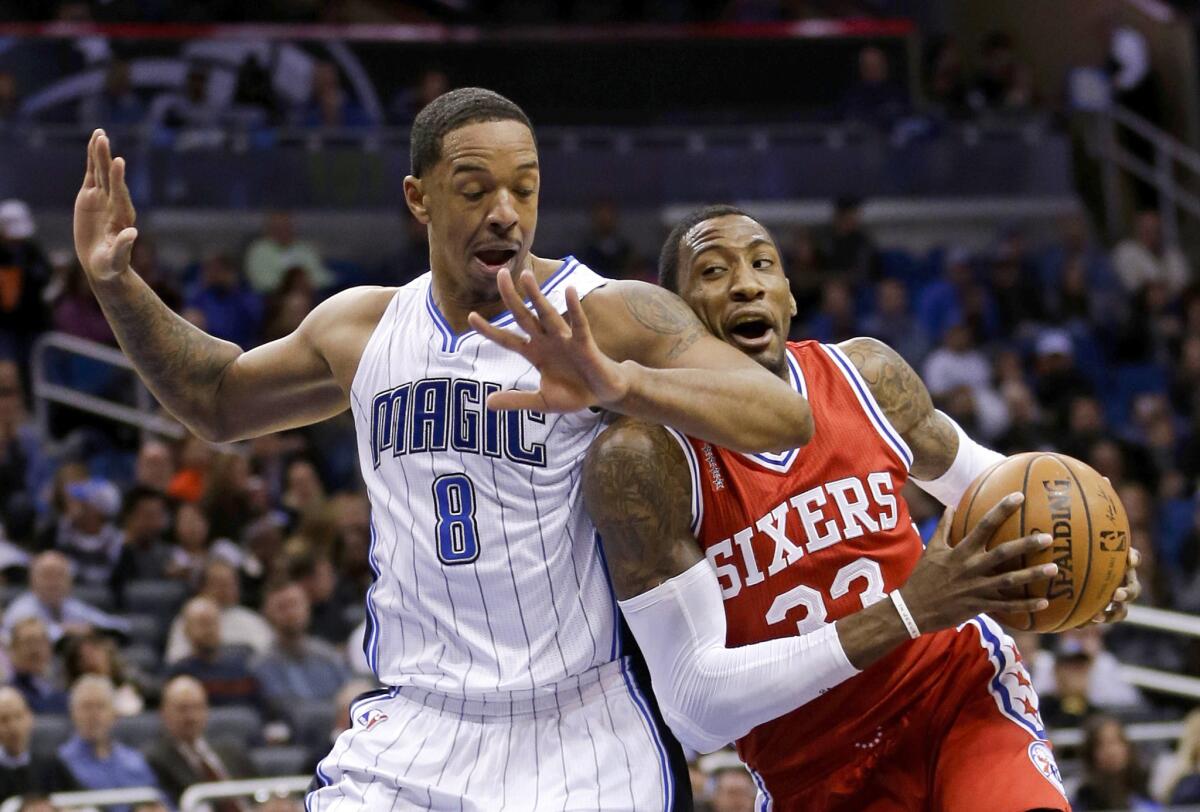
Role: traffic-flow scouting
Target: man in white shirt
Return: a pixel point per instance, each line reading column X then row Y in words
column 240, row 625
column 1145, row 257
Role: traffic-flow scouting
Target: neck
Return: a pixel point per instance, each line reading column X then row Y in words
column 103, row 747
column 456, row 299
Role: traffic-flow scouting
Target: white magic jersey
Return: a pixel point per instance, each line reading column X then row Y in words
column 488, row 577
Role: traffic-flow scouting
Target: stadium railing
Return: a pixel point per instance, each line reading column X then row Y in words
column 196, row 796
column 143, row 415
column 93, row 798
column 1152, row 679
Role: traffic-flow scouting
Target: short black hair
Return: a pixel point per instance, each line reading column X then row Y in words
column 138, row 494
column 448, row 112
column 668, row 259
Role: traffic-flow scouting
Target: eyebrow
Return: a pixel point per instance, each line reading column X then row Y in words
column 720, row 246
column 463, row 168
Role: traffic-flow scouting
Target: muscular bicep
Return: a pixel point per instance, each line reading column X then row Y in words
column 638, row 491
column 905, row 400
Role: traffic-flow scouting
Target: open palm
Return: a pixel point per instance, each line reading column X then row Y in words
column 104, row 214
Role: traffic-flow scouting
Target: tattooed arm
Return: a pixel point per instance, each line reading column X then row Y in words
column 638, row 491
column 905, row 401
column 218, row 391
column 681, row 376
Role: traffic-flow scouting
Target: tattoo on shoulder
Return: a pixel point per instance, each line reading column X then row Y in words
column 664, row 313
column 638, row 492
column 905, row 400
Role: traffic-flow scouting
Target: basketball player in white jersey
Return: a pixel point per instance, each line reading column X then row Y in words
column 491, row 620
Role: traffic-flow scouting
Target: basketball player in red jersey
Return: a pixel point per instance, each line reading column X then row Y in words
column 854, row 671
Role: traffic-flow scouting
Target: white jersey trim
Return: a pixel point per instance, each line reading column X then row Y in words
column 693, row 464
column 781, row 462
column 867, row 400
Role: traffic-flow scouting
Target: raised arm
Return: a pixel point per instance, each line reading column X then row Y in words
column 651, row 359
column 637, row 490
column 218, row 391
column 945, row 460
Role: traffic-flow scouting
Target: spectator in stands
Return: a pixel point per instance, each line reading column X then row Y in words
column 947, row 80
column 193, row 112
column 24, row 275
column 1067, row 704
column 224, row 671
column 412, row 259
column 270, row 256
column 1113, row 776
column 733, row 789
column 329, row 105
column 1146, row 257
column 116, row 105
column 892, row 323
column 959, row 364
column 255, row 92
column 155, row 466
column 313, row 571
column 31, row 658
column 298, row 666
column 227, row 498
column 874, row 99
column 606, row 250
column 412, row 100
column 342, row 722
column 22, row 457
column 1004, row 83
column 849, row 252
column 95, row 759
column 835, row 320
column 144, row 259
column 145, row 554
column 1057, row 381
column 75, row 309
column 1182, row 785
column 34, row 802
column 195, row 458
column 304, row 493
column 1026, row 430
column 287, row 306
column 21, row 770
column 230, row 310
column 95, row 654
column 190, row 552
column 49, row 599
column 86, row 531
column 1018, row 297
column 957, row 298
column 239, row 624
column 183, row 755
column 805, row 276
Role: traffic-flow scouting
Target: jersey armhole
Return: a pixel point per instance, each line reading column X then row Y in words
column 693, row 464
column 875, row 415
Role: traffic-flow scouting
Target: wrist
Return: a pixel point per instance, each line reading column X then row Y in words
column 906, row 617
column 627, row 384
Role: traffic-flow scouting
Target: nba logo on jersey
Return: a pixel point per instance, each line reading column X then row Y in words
column 371, row 718
column 1043, row 759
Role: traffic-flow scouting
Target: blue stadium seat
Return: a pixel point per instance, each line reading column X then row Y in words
column 98, row 595
column 271, row 761
column 234, row 722
column 49, row 731
column 148, row 629
column 155, row 597
column 137, row 731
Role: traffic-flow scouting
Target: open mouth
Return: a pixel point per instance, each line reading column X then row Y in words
column 751, row 332
column 495, row 258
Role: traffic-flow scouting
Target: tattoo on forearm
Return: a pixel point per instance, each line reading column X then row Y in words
column 664, row 313
column 179, row 363
column 902, row 395
column 638, row 493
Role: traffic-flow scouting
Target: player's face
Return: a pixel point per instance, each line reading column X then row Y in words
column 731, row 275
column 480, row 203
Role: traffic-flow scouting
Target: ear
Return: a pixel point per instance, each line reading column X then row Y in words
column 414, row 196
column 792, row 305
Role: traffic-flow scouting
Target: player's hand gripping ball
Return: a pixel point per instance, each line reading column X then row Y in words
column 1080, row 511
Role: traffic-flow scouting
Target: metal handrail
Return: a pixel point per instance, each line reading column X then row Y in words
column 1163, row 620
column 1135, row 731
column 93, row 797
column 1163, row 682
column 261, row 788
column 142, row 416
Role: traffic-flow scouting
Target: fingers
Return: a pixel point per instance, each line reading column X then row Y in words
column 103, row 162
column 983, row 532
column 581, row 331
column 120, row 204
column 123, row 248
column 995, row 558
column 1135, row 558
column 1019, row 578
column 516, row 305
column 1018, row 606
column 505, row 338
column 552, row 322
column 89, row 173
column 516, row 399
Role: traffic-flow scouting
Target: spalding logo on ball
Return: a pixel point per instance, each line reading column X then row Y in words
column 1082, row 514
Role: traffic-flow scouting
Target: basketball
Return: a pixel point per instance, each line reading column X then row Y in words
column 1079, row 509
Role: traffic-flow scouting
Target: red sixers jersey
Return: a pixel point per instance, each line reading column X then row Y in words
column 802, row 538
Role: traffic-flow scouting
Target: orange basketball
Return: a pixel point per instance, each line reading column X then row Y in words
column 1079, row 509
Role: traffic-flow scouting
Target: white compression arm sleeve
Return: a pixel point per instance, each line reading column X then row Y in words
column 711, row 695
column 971, row 460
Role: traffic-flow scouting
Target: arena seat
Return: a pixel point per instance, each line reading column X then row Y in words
column 235, row 722
column 154, row 597
column 147, row 630
column 311, row 720
column 139, row 730
column 97, row 595
column 49, row 731
column 142, row 657
column 271, row 761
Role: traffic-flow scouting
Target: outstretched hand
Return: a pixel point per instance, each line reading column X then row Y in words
column 1125, row 594
column 104, row 214
column 575, row 373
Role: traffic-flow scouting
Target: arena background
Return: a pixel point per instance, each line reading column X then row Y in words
column 1006, row 192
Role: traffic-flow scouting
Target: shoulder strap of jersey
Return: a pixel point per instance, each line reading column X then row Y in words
column 693, row 465
column 866, row 399
column 780, row 462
